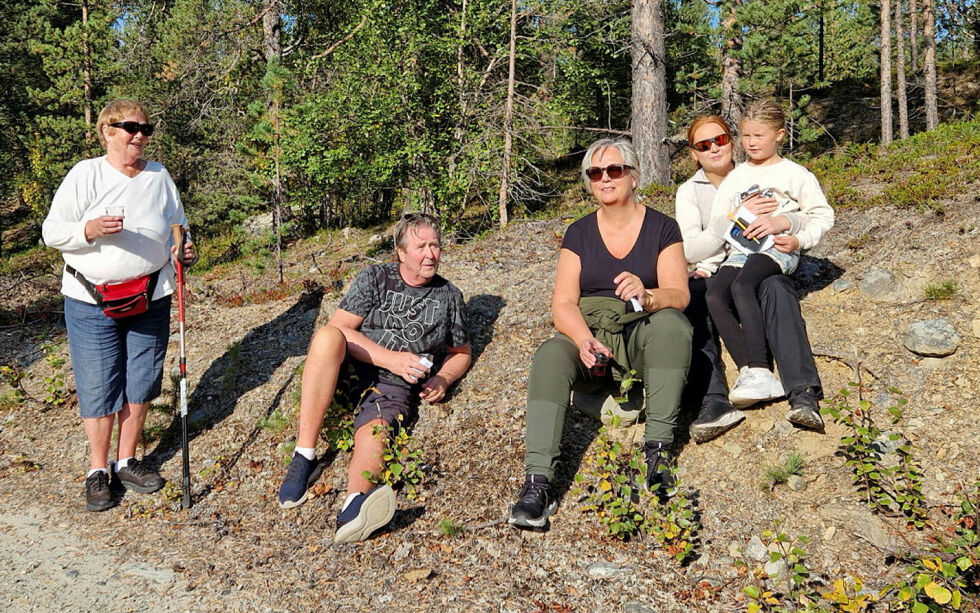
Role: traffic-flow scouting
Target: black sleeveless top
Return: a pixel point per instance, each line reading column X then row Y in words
column 599, row 267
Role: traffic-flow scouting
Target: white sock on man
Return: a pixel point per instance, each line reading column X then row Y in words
column 307, row 452
column 96, row 470
column 123, row 463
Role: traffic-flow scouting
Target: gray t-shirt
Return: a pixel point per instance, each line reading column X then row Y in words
column 399, row 317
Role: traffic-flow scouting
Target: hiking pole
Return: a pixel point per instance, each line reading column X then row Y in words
column 179, row 236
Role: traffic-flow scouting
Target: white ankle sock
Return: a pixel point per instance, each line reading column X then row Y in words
column 307, row 452
column 96, row 470
column 123, row 463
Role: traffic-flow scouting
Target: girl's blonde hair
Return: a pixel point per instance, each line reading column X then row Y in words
column 765, row 111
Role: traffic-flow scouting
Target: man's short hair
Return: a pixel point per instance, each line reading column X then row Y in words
column 414, row 221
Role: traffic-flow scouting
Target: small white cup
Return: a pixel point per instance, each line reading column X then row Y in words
column 116, row 210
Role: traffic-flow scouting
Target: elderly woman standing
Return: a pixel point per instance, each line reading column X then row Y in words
column 111, row 219
column 620, row 289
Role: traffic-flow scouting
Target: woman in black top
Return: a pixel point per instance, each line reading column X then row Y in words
column 621, row 277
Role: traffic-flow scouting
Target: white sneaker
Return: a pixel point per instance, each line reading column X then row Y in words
column 754, row 385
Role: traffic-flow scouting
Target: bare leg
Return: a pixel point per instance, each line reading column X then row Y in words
column 368, row 449
column 131, row 420
column 327, row 351
column 99, row 433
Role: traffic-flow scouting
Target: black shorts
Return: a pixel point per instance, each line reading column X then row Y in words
column 375, row 397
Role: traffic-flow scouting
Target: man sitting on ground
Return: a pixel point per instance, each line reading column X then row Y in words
column 398, row 323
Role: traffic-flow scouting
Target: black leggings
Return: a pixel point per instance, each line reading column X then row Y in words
column 732, row 299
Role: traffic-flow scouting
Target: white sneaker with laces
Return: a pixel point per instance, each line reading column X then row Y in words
column 754, row 385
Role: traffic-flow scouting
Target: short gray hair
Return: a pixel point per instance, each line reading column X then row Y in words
column 625, row 148
column 414, row 221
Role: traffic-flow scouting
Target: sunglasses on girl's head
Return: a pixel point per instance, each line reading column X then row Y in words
column 134, row 126
column 615, row 171
column 704, row 145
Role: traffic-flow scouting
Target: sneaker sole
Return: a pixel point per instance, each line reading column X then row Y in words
column 539, row 522
column 376, row 511
column 805, row 420
column 705, row 432
column 292, row 504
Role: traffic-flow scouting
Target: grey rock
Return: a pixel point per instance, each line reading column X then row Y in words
column 841, row 285
column 931, row 363
column 601, row 404
column 636, row 607
column 606, row 570
column 796, row 483
column 778, row 570
column 71, row 573
column 880, row 285
column 756, row 550
column 861, row 522
column 932, row 337
column 886, row 445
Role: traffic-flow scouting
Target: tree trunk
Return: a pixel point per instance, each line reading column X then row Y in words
column 272, row 47
column 886, row 74
column 649, row 100
column 929, row 62
column 732, row 103
column 914, row 34
column 820, row 54
column 87, row 73
column 903, row 99
column 508, row 119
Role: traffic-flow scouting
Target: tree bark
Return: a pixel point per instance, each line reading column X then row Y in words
column 886, row 74
column 649, row 99
column 732, row 103
column 272, row 47
column 914, row 34
column 87, row 74
column 903, row 99
column 508, row 119
column 929, row 62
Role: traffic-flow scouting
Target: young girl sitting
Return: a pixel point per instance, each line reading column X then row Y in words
column 796, row 215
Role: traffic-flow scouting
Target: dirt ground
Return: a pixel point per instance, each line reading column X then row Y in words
column 236, row 550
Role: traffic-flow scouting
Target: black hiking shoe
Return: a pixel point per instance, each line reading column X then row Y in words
column 98, row 494
column 660, row 468
column 805, row 409
column 300, row 475
column 139, row 478
column 534, row 505
column 365, row 514
column 716, row 417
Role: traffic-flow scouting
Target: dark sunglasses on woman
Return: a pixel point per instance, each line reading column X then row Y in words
column 134, row 126
column 704, row 145
column 615, row 171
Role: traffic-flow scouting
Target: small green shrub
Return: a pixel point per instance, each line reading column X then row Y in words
column 779, row 474
column 401, row 462
column 275, row 422
column 450, row 529
column 802, row 588
column 941, row 291
column 54, row 384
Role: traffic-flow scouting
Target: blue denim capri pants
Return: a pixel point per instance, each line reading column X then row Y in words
column 116, row 361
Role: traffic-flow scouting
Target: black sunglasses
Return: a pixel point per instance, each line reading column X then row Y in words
column 704, row 145
column 615, row 171
column 134, row 126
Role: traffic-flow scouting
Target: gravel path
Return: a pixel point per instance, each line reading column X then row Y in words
column 49, row 566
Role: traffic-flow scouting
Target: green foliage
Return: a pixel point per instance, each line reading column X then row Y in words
column 940, row 291
column 274, row 422
column 779, row 474
column 762, row 594
column 401, row 462
column 625, row 385
column 611, row 488
column 450, row 529
column 14, row 377
column 892, row 482
column 54, row 383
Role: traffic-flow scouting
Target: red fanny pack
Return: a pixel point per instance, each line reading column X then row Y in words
column 124, row 299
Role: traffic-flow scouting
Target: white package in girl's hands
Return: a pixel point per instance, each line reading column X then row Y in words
column 735, row 234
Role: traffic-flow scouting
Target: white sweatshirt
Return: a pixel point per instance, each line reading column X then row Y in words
column 152, row 206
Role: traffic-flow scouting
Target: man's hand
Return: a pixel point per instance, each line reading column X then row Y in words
column 406, row 365
column 434, row 389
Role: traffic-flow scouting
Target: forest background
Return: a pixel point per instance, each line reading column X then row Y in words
column 331, row 114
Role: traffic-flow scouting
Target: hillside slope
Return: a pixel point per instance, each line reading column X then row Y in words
column 235, row 550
